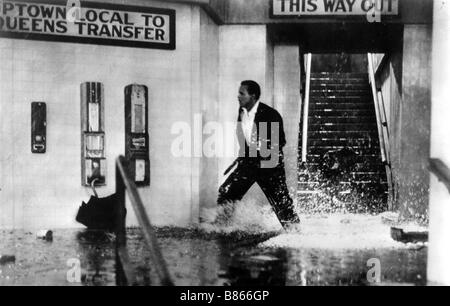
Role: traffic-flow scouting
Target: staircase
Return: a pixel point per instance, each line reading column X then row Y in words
column 344, row 171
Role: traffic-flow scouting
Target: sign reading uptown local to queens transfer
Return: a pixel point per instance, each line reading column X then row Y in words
column 333, row 7
column 88, row 22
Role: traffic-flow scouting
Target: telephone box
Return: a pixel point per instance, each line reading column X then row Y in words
column 38, row 127
column 136, row 133
column 93, row 161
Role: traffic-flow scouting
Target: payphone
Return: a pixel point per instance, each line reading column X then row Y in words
column 93, row 161
column 136, row 133
column 38, row 127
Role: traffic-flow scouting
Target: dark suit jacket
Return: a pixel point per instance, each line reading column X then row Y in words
column 267, row 122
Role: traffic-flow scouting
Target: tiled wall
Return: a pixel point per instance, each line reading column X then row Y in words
column 42, row 191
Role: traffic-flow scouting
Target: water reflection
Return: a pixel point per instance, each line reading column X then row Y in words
column 198, row 258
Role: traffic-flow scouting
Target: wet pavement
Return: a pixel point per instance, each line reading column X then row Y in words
column 330, row 250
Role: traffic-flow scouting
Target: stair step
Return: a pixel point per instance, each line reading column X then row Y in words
column 342, row 112
column 337, row 100
column 361, row 166
column 354, row 92
column 340, row 94
column 343, row 143
column 342, row 120
column 340, row 74
column 341, row 135
column 313, row 105
column 315, row 185
column 317, row 85
column 320, row 150
column 329, row 127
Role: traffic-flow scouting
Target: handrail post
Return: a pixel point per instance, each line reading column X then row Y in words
column 306, row 108
column 144, row 221
column 120, row 209
column 377, row 109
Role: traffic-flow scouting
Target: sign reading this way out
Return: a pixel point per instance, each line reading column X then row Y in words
column 333, row 7
column 88, row 22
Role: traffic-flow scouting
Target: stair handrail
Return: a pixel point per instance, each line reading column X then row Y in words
column 441, row 170
column 123, row 184
column 306, row 108
column 377, row 109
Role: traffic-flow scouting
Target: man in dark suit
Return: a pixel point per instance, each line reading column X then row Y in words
column 261, row 139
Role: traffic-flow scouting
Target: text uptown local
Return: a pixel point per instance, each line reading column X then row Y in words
column 55, row 19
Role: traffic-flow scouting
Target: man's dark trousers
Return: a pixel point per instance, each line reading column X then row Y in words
column 272, row 182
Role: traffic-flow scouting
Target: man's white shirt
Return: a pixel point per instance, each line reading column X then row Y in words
column 247, row 121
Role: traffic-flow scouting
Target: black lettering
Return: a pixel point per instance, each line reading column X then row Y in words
column 21, row 6
column 91, row 16
column 340, row 6
column 283, row 5
column 23, row 24
column 379, row 5
column 101, row 16
column 61, row 13
column 2, row 23
column 33, row 11
column 47, row 12
column 92, row 29
column 128, row 32
column 80, row 27
column 61, row 26
column 364, row 5
column 7, row 7
column 350, row 5
column 147, row 19
column 159, row 22
column 11, row 23
column 329, row 5
column 389, row 5
column 104, row 31
column 116, row 18
column 294, row 6
column 116, row 31
column 138, row 31
column 303, row 5
column 126, row 20
column 149, row 34
column 36, row 25
column 49, row 26
column 312, row 5
column 159, row 34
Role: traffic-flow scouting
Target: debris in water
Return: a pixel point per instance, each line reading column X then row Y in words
column 5, row 259
column 399, row 234
column 46, row 235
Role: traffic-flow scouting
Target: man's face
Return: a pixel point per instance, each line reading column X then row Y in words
column 244, row 98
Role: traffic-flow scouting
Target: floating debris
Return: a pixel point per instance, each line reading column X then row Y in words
column 46, row 235
column 6, row 259
column 401, row 235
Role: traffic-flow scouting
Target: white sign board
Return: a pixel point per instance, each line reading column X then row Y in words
column 333, row 7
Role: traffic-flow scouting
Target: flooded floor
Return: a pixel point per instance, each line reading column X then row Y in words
column 329, row 250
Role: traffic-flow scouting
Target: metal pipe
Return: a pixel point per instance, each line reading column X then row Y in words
column 377, row 110
column 306, row 108
column 141, row 214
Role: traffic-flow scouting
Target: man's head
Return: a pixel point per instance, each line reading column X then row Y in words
column 249, row 94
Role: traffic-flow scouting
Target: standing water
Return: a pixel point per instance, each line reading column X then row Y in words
column 338, row 249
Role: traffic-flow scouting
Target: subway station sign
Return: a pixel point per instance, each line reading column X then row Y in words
column 88, row 22
column 333, row 7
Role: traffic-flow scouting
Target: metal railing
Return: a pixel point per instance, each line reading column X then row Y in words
column 376, row 102
column 123, row 184
column 383, row 128
column 438, row 168
column 306, row 108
